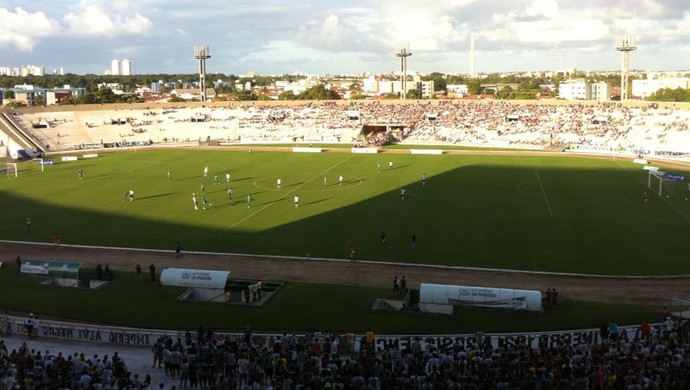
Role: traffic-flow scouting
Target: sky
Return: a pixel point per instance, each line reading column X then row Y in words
column 343, row 36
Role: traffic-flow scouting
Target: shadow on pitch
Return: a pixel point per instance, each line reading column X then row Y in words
column 156, row 196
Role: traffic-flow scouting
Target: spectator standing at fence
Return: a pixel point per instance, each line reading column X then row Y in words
column 5, row 326
column 178, row 250
column 30, row 324
column 152, row 272
column 18, row 262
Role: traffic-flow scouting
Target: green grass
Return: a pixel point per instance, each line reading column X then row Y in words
column 564, row 214
column 547, row 213
column 337, row 308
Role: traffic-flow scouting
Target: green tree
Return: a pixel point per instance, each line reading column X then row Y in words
column 439, row 80
column 671, row 95
column 474, row 87
column 286, row 95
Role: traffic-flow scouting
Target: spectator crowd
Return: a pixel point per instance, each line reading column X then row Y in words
column 656, row 358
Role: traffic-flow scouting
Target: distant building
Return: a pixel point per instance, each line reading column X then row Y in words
column 457, row 90
column 32, row 70
column 645, row 88
column 121, row 67
column 600, row 92
column 574, row 90
column 582, row 90
column 30, row 95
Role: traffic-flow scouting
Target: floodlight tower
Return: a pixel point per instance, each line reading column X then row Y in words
column 202, row 53
column 402, row 50
column 472, row 58
column 625, row 44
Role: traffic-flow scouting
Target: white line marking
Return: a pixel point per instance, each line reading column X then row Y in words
column 286, row 195
column 546, row 199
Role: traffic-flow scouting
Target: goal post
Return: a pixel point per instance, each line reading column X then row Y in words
column 657, row 174
column 670, row 184
column 11, row 170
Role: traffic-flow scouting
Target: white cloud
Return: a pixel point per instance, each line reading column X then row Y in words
column 92, row 20
column 22, row 29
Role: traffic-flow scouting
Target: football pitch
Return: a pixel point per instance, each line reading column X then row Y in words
column 527, row 212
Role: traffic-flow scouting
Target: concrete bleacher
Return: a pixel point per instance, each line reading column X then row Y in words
column 492, row 123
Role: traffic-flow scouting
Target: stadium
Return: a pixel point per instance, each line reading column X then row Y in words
column 586, row 199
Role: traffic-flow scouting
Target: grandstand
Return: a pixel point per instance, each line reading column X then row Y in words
column 598, row 127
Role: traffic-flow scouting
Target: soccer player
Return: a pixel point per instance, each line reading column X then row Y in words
column 227, row 177
column 229, row 193
column 423, row 178
column 131, row 195
column 296, row 201
column 204, row 202
column 325, row 181
column 216, row 179
column 645, row 196
column 402, row 194
column 378, row 167
column 340, row 180
column 249, row 200
column 195, row 201
column 126, row 196
column 351, row 252
column 202, row 187
column 413, row 241
column 169, row 175
column 80, row 173
column 390, row 165
column 56, row 240
column 206, row 171
column 279, row 183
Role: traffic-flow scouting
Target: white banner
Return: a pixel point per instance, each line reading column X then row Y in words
column 426, row 151
column 34, row 269
column 505, row 298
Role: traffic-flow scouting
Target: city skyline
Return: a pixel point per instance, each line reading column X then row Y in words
column 344, row 37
